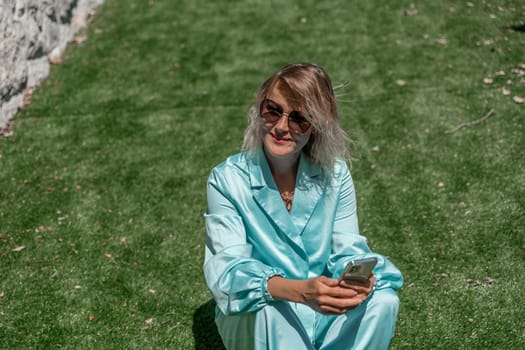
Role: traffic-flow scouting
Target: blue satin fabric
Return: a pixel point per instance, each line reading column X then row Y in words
column 283, row 325
column 251, row 237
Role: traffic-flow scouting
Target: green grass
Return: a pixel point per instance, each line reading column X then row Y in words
column 103, row 181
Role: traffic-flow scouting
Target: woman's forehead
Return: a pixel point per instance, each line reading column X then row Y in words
column 283, row 95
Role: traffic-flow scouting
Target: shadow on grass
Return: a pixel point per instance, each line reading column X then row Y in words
column 204, row 329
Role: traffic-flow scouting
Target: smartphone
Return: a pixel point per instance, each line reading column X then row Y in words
column 358, row 271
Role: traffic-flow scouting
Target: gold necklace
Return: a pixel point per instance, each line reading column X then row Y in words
column 287, row 199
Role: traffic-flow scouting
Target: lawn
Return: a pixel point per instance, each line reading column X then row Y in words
column 102, row 185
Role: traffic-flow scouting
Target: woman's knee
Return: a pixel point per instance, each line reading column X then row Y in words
column 267, row 328
column 385, row 301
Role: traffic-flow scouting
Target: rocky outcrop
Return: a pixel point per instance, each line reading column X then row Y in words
column 33, row 34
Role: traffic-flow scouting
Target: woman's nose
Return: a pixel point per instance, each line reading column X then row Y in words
column 282, row 123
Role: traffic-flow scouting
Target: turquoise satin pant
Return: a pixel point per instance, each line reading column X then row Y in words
column 291, row 326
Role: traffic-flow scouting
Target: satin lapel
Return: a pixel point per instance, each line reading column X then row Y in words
column 309, row 189
column 267, row 195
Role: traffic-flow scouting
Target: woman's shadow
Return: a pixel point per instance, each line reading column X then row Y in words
column 204, row 329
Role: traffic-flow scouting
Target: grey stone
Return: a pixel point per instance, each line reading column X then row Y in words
column 33, row 33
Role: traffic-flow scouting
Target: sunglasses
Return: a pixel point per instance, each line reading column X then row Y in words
column 272, row 112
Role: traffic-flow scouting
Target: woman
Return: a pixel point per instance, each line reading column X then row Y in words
column 281, row 226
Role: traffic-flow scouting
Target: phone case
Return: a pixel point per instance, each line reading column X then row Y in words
column 358, row 271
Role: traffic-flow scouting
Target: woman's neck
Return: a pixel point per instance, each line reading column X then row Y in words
column 284, row 171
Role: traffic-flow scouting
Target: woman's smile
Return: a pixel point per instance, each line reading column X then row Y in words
column 280, row 139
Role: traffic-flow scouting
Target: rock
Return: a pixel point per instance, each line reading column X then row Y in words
column 34, row 33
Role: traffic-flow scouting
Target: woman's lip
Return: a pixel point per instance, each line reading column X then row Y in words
column 280, row 139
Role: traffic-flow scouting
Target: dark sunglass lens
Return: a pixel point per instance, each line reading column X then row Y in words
column 271, row 112
column 298, row 122
column 274, row 108
column 270, row 116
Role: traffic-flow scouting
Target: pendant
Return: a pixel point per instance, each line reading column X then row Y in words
column 287, row 199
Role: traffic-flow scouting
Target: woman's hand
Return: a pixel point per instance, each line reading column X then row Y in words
column 331, row 297
column 323, row 294
column 361, row 290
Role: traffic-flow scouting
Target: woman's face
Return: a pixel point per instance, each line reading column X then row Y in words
column 285, row 136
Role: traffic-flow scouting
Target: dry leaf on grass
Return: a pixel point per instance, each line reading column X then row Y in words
column 79, row 39
column 518, row 72
column 473, row 282
column 177, row 325
column 7, row 130
column 519, row 100
column 148, row 322
column 19, row 248
column 28, row 94
column 477, row 283
column 442, row 41
column 42, row 228
column 411, row 12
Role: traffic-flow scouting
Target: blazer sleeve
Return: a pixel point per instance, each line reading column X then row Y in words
column 237, row 281
column 348, row 244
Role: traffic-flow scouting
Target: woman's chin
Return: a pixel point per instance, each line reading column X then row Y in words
column 278, row 150
column 281, row 152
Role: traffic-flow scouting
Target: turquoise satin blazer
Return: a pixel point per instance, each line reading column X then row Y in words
column 250, row 236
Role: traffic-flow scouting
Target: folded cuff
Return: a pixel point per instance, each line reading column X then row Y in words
column 267, row 275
